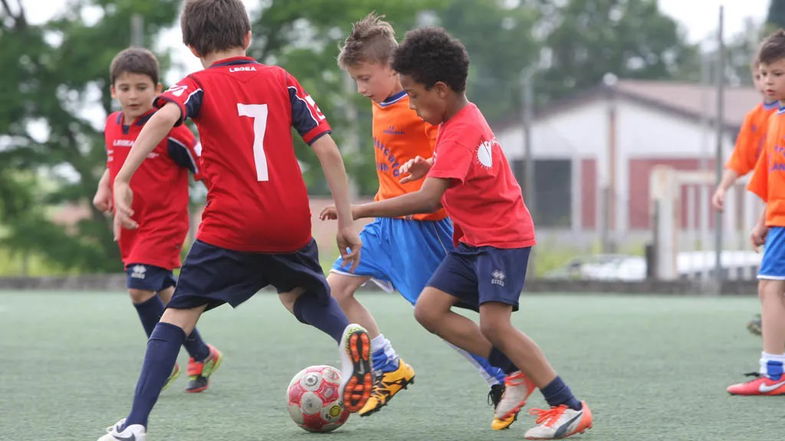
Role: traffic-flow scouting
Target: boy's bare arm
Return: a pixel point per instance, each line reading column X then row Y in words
column 332, row 166
column 156, row 128
column 728, row 178
column 103, row 194
column 426, row 200
column 759, row 231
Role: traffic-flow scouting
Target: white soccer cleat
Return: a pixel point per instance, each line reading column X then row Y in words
column 356, row 367
column 559, row 422
column 134, row 432
column 517, row 388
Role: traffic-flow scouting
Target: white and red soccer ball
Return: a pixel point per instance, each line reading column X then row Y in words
column 313, row 399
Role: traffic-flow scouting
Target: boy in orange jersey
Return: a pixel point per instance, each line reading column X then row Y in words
column 398, row 253
column 149, row 254
column 749, row 142
column 745, row 154
column 768, row 182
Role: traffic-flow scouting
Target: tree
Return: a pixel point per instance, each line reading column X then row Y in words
column 586, row 39
column 776, row 15
column 52, row 150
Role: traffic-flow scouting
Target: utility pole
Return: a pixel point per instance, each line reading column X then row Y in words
column 720, row 120
column 137, row 30
column 528, row 160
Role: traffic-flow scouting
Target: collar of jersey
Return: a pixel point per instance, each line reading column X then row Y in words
column 233, row 61
column 139, row 121
column 771, row 105
column 392, row 99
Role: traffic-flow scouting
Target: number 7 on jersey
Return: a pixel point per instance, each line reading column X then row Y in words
column 259, row 114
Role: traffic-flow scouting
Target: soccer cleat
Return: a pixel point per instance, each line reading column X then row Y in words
column 494, row 397
column 559, row 422
column 385, row 387
column 517, row 388
column 172, row 377
column 754, row 325
column 199, row 371
column 762, row 385
column 356, row 368
column 134, row 432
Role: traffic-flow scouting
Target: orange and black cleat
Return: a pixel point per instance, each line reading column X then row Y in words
column 356, row 368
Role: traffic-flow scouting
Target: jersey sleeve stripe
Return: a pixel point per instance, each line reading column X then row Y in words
column 183, row 153
column 302, row 117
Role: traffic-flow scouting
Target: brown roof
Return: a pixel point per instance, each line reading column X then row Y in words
column 685, row 99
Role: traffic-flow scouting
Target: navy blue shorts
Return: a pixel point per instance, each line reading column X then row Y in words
column 213, row 276
column 148, row 277
column 476, row 275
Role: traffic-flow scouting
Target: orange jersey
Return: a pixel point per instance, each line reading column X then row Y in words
column 768, row 179
column 751, row 138
column 398, row 136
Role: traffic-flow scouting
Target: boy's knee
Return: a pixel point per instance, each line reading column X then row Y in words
column 427, row 318
column 492, row 330
column 342, row 287
column 140, row 295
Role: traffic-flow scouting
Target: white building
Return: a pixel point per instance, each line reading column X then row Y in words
column 603, row 143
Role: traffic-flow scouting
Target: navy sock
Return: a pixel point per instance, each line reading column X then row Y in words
column 498, row 359
column 196, row 347
column 162, row 349
column 327, row 317
column 556, row 393
column 150, row 311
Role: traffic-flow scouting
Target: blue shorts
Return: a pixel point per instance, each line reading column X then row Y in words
column 148, row 277
column 401, row 254
column 213, row 276
column 772, row 266
column 476, row 275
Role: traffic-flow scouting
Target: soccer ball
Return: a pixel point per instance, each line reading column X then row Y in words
column 313, row 399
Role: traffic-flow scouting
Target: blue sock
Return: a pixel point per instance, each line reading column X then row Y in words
column 498, row 359
column 556, row 393
column 150, row 311
column 381, row 362
column 196, row 347
column 162, row 350
column 774, row 369
column 328, row 317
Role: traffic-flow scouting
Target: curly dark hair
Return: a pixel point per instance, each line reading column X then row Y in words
column 431, row 54
column 773, row 48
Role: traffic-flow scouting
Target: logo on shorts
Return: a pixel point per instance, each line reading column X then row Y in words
column 497, row 277
column 138, row 271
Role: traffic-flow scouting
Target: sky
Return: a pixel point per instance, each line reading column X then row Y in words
column 698, row 18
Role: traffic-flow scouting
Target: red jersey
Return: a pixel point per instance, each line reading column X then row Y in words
column 244, row 110
column 160, row 191
column 484, row 199
column 768, row 179
column 751, row 138
column 398, row 136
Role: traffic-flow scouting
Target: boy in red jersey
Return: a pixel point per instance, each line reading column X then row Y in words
column 398, row 253
column 749, row 145
column 470, row 177
column 768, row 182
column 151, row 252
column 255, row 230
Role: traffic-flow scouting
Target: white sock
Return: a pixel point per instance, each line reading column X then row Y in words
column 377, row 342
column 765, row 357
column 380, row 343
